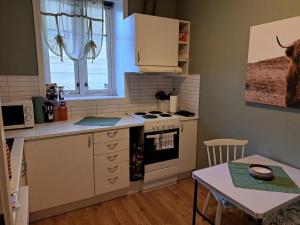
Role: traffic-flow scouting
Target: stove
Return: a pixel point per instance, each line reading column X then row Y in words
column 157, row 120
column 160, row 148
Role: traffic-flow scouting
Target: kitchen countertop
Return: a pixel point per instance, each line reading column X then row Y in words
column 61, row 128
column 185, row 118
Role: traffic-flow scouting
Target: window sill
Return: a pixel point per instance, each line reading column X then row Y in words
column 93, row 97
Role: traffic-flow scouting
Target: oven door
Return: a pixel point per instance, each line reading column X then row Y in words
column 161, row 146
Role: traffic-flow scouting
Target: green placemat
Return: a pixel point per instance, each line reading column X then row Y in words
column 98, row 121
column 281, row 183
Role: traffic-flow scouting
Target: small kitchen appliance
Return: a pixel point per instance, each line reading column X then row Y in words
column 48, row 111
column 17, row 114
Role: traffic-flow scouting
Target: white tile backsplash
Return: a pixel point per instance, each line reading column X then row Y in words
column 188, row 93
column 141, row 94
column 14, row 88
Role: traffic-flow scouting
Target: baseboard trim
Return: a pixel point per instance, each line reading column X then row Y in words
column 184, row 175
column 35, row 216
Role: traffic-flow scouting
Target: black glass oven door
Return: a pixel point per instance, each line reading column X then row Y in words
column 151, row 155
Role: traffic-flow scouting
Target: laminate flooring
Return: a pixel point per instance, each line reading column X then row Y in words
column 167, row 206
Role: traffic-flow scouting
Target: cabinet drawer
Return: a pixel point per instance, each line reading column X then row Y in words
column 112, row 183
column 111, row 146
column 111, row 135
column 111, row 158
column 111, row 169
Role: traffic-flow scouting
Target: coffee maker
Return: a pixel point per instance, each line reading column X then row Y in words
column 48, row 111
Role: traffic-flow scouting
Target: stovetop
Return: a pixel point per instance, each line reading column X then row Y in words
column 157, row 120
column 154, row 115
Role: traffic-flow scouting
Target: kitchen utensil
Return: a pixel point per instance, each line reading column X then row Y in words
column 185, row 113
column 173, row 104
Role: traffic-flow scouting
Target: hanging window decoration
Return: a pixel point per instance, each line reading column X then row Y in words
column 69, row 27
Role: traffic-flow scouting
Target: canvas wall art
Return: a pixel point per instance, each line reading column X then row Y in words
column 273, row 73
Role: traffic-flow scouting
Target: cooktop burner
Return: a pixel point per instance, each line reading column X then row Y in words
column 165, row 115
column 140, row 113
column 155, row 112
column 150, row 116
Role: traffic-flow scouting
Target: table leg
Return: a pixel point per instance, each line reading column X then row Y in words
column 195, row 202
column 259, row 222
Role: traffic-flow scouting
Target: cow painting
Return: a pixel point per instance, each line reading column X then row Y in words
column 273, row 65
column 293, row 53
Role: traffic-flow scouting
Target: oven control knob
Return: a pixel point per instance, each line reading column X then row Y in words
column 157, row 128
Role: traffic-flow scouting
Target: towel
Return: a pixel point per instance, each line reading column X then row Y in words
column 163, row 141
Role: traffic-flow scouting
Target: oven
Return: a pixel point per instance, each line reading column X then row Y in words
column 161, row 152
column 160, row 146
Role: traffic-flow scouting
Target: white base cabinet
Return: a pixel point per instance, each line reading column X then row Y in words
column 111, row 160
column 188, row 146
column 59, row 170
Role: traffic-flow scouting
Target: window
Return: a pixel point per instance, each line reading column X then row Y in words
column 85, row 77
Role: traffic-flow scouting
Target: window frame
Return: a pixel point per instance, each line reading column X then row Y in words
column 81, row 68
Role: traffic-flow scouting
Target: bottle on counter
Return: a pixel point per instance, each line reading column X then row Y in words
column 56, row 113
column 63, row 111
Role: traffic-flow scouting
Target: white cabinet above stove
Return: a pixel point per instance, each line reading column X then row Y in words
column 151, row 44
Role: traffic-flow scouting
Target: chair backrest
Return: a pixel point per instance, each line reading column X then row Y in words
column 234, row 149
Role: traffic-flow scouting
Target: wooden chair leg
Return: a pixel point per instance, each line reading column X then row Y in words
column 206, row 202
column 219, row 214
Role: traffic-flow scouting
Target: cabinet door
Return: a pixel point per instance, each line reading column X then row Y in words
column 188, row 146
column 59, row 170
column 156, row 41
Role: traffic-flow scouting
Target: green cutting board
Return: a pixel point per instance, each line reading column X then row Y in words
column 98, row 121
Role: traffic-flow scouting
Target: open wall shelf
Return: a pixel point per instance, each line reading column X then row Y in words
column 184, row 46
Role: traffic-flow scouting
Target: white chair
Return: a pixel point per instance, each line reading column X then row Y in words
column 220, row 151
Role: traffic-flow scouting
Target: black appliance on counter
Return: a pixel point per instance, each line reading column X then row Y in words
column 48, row 111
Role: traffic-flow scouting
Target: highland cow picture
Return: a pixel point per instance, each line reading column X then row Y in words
column 273, row 73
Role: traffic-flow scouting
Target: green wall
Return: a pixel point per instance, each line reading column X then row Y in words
column 219, row 48
column 17, row 39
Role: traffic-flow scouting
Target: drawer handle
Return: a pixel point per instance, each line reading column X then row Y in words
column 112, row 158
column 89, row 141
column 112, row 146
column 112, row 180
column 111, row 134
column 112, row 169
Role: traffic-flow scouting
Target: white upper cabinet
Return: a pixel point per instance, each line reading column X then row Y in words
column 151, row 42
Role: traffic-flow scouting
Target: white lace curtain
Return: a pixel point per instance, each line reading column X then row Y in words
column 73, row 27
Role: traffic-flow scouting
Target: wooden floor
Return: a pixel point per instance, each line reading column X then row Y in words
column 167, row 206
